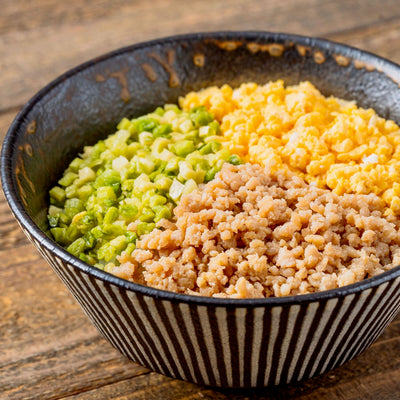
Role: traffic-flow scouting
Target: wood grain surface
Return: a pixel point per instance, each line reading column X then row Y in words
column 48, row 348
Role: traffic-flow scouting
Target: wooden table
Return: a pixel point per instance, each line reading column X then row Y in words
column 48, row 348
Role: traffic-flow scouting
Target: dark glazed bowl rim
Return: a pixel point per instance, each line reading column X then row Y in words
column 16, row 205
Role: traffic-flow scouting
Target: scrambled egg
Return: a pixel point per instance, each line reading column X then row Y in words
column 326, row 140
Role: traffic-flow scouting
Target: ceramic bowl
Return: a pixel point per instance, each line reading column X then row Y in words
column 209, row 341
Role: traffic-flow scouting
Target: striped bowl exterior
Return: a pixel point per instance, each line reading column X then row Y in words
column 231, row 346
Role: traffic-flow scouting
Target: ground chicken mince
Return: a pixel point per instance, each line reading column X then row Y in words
column 252, row 232
column 325, row 140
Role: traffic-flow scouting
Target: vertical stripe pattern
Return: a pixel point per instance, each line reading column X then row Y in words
column 232, row 346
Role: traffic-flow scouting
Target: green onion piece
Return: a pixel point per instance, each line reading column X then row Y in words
column 143, row 183
column 111, row 215
column 163, row 183
column 60, row 235
column 176, row 189
column 159, row 144
column 234, row 159
column 210, row 174
column 77, row 247
column 71, row 191
column 162, row 130
column 172, row 166
column 147, row 215
column 106, row 195
column 201, row 116
column 97, row 232
column 124, row 124
column 131, row 237
column 143, row 165
column 118, row 243
column 159, row 111
column 144, row 228
column 53, row 220
column 157, row 200
column 68, row 179
column 106, row 252
column 75, row 164
column 182, row 148
column 84, row 192
column 73, row 206
column 128, row 211
column 162, row 212
column 147, row 124
column 57, row 195
column 112, row 229
column 146, row 138
column 214, row 128
column 130, row 248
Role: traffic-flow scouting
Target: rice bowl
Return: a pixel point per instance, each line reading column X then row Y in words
column 206, row 340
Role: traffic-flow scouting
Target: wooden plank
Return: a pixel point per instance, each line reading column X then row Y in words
column 32, row 56
column 66, row 371
column 392, row 332
column 5, row 121
column 383, row 39
column 18, row 15
column 35, row 306
column 149, row 387
column 10, row 233
column 383, row 386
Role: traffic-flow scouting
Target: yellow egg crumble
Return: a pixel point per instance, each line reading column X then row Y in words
column 326, row 140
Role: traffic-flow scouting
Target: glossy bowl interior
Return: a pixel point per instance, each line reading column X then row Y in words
column 218, row 342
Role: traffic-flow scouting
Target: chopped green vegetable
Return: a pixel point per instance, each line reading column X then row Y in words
column 234, row 159
column 77, row 247
column 57, row 195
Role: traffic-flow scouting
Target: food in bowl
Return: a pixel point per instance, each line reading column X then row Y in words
column 207, row 340
column 149, row 204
